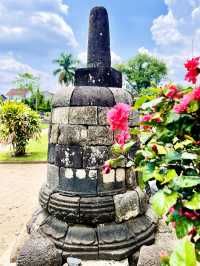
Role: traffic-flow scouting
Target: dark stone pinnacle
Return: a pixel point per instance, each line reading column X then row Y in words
column 98, row 72
column 99, row 39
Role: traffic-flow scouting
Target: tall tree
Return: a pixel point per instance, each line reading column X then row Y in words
column 66, row 70
column 143, row 70
column 30, row 82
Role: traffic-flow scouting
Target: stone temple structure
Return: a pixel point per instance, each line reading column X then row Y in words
column 87, row 214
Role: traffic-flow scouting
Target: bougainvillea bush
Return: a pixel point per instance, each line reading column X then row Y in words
column 169, row 153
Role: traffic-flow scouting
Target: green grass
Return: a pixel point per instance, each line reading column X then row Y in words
column 36, row 151
column 44, row 126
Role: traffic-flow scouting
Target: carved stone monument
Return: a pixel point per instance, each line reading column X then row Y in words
column 88, row 214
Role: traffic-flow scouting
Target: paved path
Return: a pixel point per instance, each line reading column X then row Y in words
column 19, row 187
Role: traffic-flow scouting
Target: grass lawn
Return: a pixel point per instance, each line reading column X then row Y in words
column 36, row 151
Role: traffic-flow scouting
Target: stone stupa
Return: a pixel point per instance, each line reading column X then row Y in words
column 88, row 214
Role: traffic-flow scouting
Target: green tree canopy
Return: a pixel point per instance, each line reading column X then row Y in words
column 143, row 70
column 66, row 69
column 27, row 81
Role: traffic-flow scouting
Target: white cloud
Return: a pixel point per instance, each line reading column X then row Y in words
column 41, row 21
column 165, row 30
column 116, row 59
column 176, row 35
column 10, row 67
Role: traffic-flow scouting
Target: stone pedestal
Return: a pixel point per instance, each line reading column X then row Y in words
column 87, row 214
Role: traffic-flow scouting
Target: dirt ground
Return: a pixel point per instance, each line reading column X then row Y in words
column 19, row 187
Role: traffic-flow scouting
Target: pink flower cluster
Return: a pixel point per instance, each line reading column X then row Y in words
column 149, row 118
column 118, row 120
column 192, row 67
column 186, row 100
column 118, row 117
column 172, row 92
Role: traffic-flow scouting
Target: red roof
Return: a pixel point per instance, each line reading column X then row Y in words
column 17, row 92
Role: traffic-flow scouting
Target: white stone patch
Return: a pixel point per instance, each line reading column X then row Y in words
column 69, row 173
column 83, row 134
column 92, row 174
column 67, row 160
column 60, row 115
column 109, row 178
column 80, row 173
column 120, row 175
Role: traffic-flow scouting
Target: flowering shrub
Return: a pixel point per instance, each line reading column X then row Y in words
column 169, row 152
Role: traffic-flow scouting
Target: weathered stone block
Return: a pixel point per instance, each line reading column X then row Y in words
column 133, row 118
column 105, row 263
column 100, row 135
column 68, row 172
column 127, row 206
column 81, row 173
column 95, row 156
column 60, row 115
column 149, row 256
column 92, row 96
column 63, row 97
column 121, row 96
column 131, row 180
column 93, row 174
column 102, row 115
column 51, row 153
column 143, row 200
column 85, row 115
column 72, row 134
column 40, row 251
column 54, row 134
column 69, row 156
column 52, row 176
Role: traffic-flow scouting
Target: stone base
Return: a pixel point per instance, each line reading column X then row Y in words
column 109, row 241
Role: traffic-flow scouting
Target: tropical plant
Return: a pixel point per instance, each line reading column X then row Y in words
column 18, row 124
column 143, row 70
column 66, row 70
column 169, row 153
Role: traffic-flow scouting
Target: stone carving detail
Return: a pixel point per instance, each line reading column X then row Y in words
column 88, row 214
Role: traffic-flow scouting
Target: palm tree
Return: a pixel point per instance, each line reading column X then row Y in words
column 66, row 70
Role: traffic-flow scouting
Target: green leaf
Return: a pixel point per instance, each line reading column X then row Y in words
column 172, row 117
column 140, row 101
column 161, row 149
column 194, row 203
column 193, row 107
column 183, row 225
column 171, row 174
column 189, row 156
column 161, row 202
column 181, row 145
column 152, row 103
column 116, row 149
column 128, row 146
column 184, row 254
column 147, row 171
column 187, row 181
column 172, row 156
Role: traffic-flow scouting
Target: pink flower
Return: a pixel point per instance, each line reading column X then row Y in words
column 193, row 70
column 196, row 94
column 172, row 92
column 154, row 148
column 193, row 231
column 171, row 210
column 122, row 137
column 118, row 117
column 183, row 105
column 147, row 118
column 158, row 120
column 106, row 168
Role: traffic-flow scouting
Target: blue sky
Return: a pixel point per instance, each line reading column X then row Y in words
column 34, row 32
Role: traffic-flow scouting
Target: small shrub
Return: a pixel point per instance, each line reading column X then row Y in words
column 18, row 124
